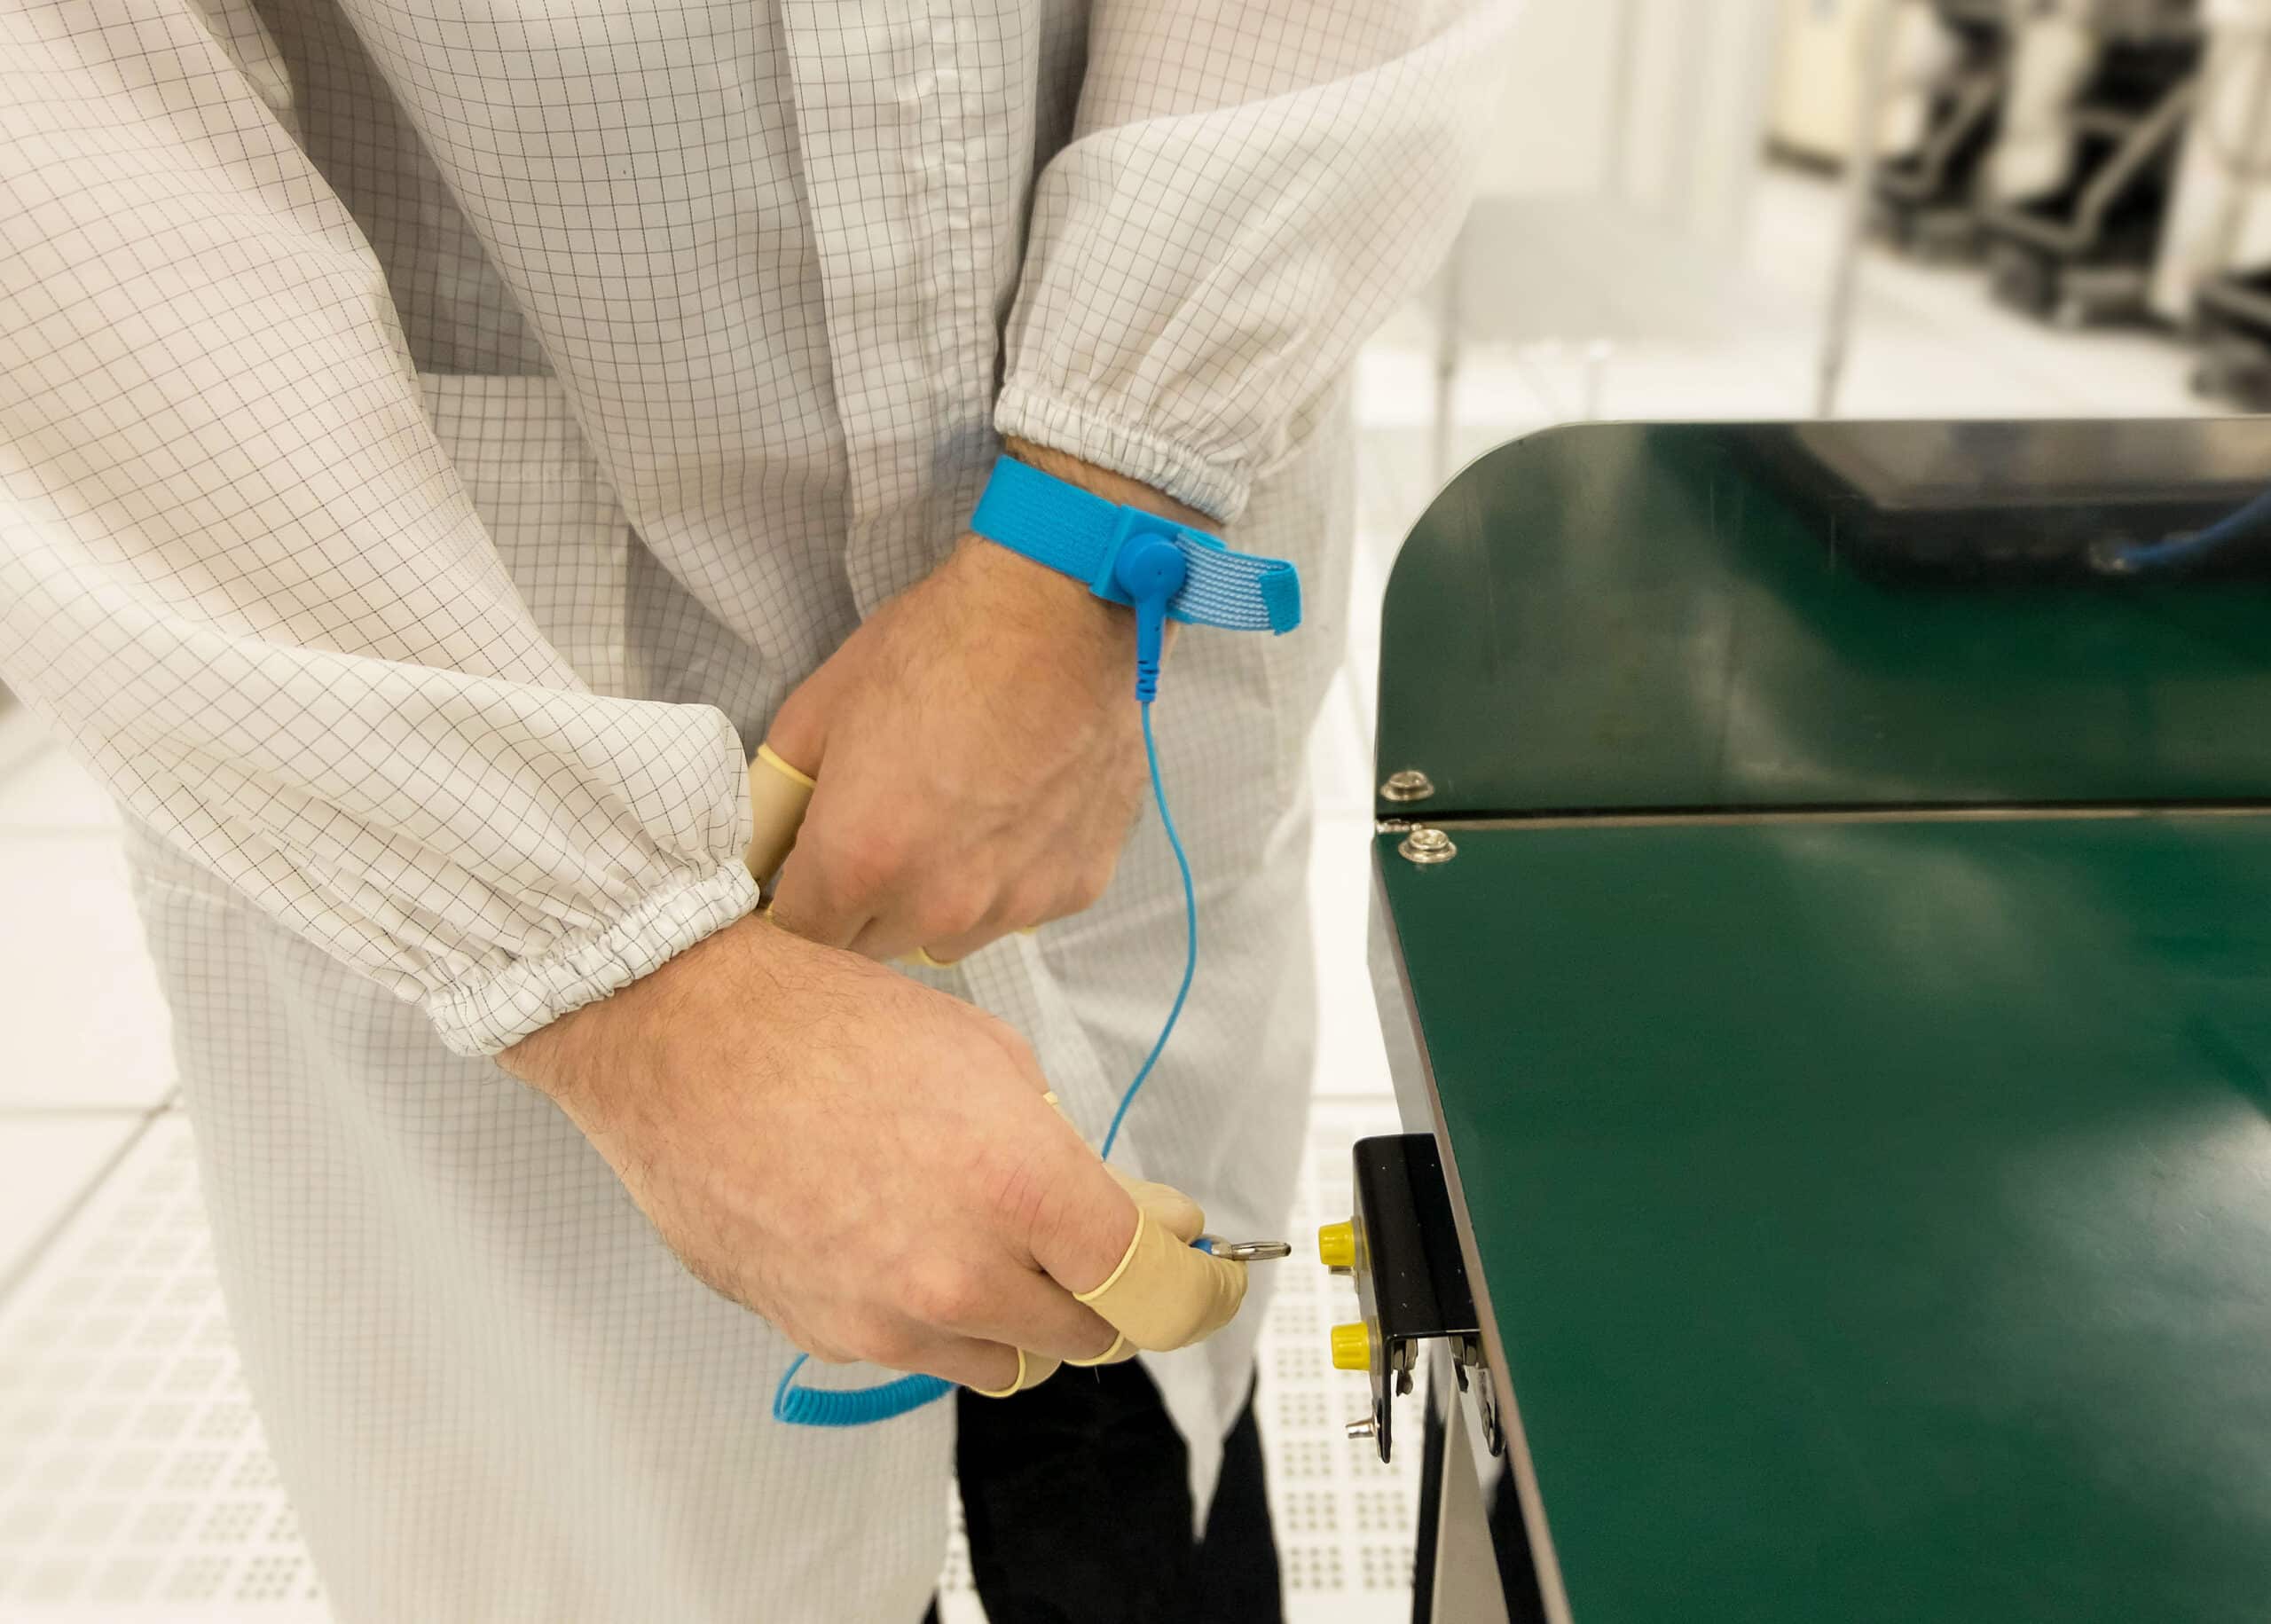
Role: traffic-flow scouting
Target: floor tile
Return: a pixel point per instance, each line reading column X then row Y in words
column 79, row 1002
column 47, row 1162
column 1344, row 1519
column 137, row 1484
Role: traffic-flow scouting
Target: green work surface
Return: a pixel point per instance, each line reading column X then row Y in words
column 1681, row 616
column 1876, row 1216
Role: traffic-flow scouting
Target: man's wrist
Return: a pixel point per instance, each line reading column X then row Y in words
column 615, row 1039
column 1035, row 599
column 1092, row 617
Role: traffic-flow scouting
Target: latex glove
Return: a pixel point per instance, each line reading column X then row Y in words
column 1164, row 1293
column 979, row 753
column 778, row 797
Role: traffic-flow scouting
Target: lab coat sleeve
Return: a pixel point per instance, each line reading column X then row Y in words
column 238, row 569
column 1249, row 191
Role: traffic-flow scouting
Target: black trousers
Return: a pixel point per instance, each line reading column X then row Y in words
column 1078, row 1511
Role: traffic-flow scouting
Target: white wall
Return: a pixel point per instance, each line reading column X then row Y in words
column 1693, row 104
column 1552, row 136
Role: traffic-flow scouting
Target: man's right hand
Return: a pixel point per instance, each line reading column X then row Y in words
column 872, row 1165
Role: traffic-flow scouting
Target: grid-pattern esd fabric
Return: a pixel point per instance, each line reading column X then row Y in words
column 237, row 565
column 771, row 284
column 1361, row 120
column 491, row 1390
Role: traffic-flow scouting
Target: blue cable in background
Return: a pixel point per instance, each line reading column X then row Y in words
column 2251, row 522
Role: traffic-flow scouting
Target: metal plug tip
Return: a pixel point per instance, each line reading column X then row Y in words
column 1245, row 1251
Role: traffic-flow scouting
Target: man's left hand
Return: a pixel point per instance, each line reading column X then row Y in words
column 979, row 759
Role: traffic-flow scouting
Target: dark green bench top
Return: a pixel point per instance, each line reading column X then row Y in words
column 1631, row 615
column 1876, row 1217
column 1874, row 1211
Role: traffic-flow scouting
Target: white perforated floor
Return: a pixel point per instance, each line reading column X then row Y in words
column 134, row 1482
column 135, row 1485
column 1343, row 1519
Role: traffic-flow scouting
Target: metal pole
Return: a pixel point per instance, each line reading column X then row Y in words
column 1451, row 316
column 1623, row 69
column 1860, row 169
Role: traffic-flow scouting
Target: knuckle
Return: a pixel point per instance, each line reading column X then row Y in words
column 1020, row 1194
column 952, row 908
column 947, row 1293
column 862, row 867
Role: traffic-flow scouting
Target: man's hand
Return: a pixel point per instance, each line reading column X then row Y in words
column 978, row 752
column 870, row 1164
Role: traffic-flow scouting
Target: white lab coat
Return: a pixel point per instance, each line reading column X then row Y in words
column 435, row 435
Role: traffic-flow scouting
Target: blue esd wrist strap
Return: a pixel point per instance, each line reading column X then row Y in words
column 1080, row 534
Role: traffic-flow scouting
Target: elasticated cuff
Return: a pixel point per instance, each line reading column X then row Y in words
column 482, row 1014
column 1030, row 412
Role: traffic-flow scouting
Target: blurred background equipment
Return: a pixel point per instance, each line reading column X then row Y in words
column 1949, row 76
column 2101, row 93
column 2215, row 262
column 1819, row 69
column 1676, row 178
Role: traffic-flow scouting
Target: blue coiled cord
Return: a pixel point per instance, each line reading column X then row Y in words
column 852, row 1406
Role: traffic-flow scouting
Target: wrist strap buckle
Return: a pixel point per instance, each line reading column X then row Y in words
column 1080, row 534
